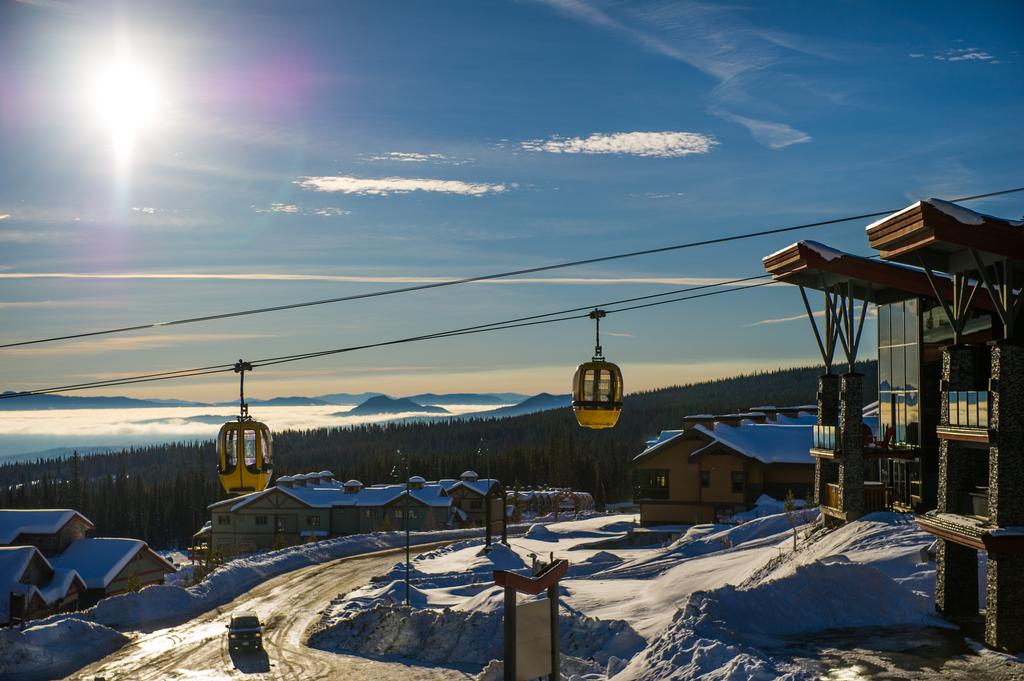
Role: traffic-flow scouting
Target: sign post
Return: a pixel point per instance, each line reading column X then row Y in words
column 531, row 645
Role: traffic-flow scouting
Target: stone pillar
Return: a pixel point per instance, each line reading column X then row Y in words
column 1006, row 437
column 1004, row 607
column 959, row 372
column 826, row 471
column 1004, row 602
column 956, row 580
column 851, row 439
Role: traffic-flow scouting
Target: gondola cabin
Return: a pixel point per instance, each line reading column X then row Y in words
column 244, row 455
column 597, row 386
column 597, row 394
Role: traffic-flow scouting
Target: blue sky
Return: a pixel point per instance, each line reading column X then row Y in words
column 311, row 150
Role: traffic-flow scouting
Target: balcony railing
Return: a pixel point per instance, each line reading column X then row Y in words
column 824, row 437
column 968, row 408
column 877, row 497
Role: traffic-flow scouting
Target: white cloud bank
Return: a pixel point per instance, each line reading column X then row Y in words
column 383, row 186
column 292, row 209
column 665, row 144
column 768, row 133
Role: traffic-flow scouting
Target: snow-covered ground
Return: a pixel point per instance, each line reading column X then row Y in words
column 722, row 602
column 66, row 642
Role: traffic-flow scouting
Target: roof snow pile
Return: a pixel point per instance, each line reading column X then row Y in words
column 38, row 521
column 765, row 442
column 100, row 560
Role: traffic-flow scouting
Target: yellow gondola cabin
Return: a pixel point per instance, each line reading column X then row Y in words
column 244, row 448
column 597, row 387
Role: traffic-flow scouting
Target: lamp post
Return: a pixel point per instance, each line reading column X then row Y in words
column 403, row 462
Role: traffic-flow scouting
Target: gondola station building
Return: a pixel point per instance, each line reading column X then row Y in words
column 311, row 506
column 950, row 448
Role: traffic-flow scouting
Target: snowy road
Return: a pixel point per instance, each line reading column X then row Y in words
column 288, row 605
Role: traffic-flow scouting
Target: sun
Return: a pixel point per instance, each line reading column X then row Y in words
column 125, row 100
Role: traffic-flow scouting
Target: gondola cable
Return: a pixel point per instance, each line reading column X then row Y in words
column 487, row 277
column 549, row 318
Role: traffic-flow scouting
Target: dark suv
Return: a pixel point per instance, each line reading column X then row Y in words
column 245, row 631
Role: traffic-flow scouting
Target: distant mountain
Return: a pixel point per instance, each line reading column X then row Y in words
column 346, row 398
column 202, row 418
column 539, row 402
column 461, row 398
column 294, row 401
column 382, row 404
column 31, row 402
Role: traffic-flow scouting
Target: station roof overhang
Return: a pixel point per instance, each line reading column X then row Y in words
column 941, row 235
column 815, row 266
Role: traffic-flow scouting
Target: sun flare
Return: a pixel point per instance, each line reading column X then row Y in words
column 125, row 100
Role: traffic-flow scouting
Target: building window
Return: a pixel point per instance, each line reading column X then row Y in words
column 738, row 478
column 399, row 514
column 261, row 520
column 223, row 520
column 650, row 483
column 413, row 514
column 370, row 514
column 312, row 521
column 899, row 363
column 705, row 479
column 476, row 505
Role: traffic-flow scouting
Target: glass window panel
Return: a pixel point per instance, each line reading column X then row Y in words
column 883, row 325
column 884, row 413
column 961, row 412
column 972, row 409
column 912, row 367
column 898, row 375
column 899, row 417
column 232, row 448
column 910, row 321
column 913, row 403
column 896, row 324
column 884, row 369
column 983, row 409
column 250, row 448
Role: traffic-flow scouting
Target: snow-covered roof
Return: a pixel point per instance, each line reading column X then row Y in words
column 481, row 487
column 957, row 212
column 99, row 560
column 469, row 475
column 663, row 438
column 765, row 442
column 353, row 483
column 14, row 522
column 14, row 560
column 417, row 479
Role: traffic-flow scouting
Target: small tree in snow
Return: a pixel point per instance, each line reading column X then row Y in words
column 790, row 507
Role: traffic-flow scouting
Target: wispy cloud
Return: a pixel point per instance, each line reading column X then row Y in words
column 4, row 216
column 712, row 39
column 871, row 314
column 293, row 209
column 383, row 186
column 970, row 54
column 31, row 304
column 666, row 144
column 418, row 157
column 358, row 279
column 771, row 134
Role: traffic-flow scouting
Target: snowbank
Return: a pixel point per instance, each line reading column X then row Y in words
column 55, row 646
column 720, row 634
column 464, row 636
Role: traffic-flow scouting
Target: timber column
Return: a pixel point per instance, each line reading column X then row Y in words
column 1004, row 583
column 851, row 438
column 956, row 565
column 825, row 470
